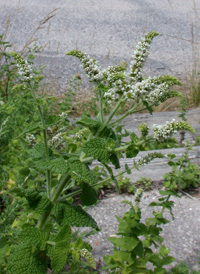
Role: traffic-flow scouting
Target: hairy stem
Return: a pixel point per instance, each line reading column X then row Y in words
column 114, row 110
column 101, row 112
column 44, row 217
column 130, row 111
column 60, row 187
column 48, row 172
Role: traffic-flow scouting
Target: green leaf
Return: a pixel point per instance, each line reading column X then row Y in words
column 56, row 165
column 59, row 254
column 60, row 251
column 23, row 260
column 92, row 124
column 88, row 195
column 125, row 243
column 3, row 249
column 128, row 170
column 96, row 148
column 133, row 137
column 73, row 215
column 38, row 202
column 38, row 151
column 114, row 160
column 64, row 234
column 33, row 236
column 132, row 151
column 114, row 180
column 80, row 171
column 32, row 127
column 52, row 120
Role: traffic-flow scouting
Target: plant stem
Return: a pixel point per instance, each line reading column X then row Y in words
column 60, row 187
column 85, row 160
column 78, row 191
column 101, row 106
column 44, row 217
column 130, row 111
column 114, row 110
column 48, row 172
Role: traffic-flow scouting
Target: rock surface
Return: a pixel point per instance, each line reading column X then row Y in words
column 182, row 234
column 108, row 31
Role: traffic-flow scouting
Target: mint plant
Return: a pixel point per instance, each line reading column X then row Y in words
column 57, row 166
column 184, row 173
column 135, row 239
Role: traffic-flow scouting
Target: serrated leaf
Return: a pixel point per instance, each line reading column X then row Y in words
column 23, row 261
column 59, row 252
column 32, row 235
column 56, row 165
column 92, row 124
column 106, row 131
column 73, row 215
column 3, row 248
column 52, row 120
column 132, row 151
column 38, row 151
column 88, row 196
column 32, row 127
column 96, row 148
column 38, row 202
column 80, row 171
column 64, row 234
column 125, row 243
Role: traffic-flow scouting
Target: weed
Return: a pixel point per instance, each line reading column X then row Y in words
column 184, row 173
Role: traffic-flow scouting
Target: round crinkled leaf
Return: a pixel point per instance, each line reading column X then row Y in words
column 79, row 171
column 23, row 260
column 96, row 148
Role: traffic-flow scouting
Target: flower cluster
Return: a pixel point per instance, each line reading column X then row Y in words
column 139, row 57
column 115, row 73
column 164, row 132
column 31, row 139
column 64, row 114
column 57, row 138
column 90, row 65
column 80, row 134
column 148, row 158
column 24, row 69
column 144, row 129
column 130, row 85
column 118, row 88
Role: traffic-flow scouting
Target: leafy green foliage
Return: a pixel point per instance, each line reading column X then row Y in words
column 184, row 173
column 80, row 171
column 132, row 252
column 97, row 148
column 73, row 215
column 23, row 260
column 33, row 236
column 60, row 251
column 46, row 160
column 88, row 196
